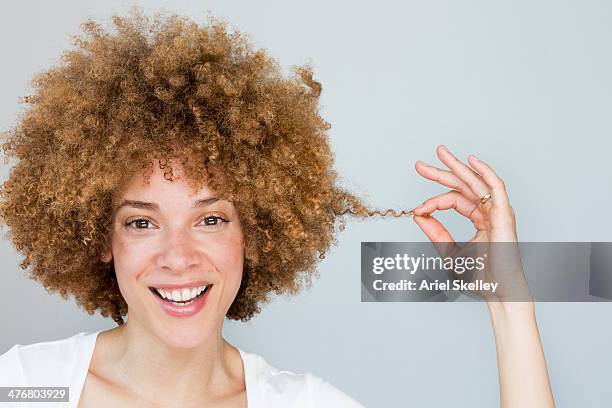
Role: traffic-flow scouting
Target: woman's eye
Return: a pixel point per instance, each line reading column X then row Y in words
column 214, row 220
column 137, row 221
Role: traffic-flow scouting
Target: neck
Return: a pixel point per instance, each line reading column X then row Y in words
column 162, row 373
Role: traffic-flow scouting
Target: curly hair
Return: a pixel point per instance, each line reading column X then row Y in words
column 197, row 94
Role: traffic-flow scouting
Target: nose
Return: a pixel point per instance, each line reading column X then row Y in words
column 178, row 253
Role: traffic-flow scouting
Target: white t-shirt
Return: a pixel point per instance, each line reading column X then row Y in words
column 64, row 362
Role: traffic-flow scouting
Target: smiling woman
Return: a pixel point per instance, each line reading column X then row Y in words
column 171, row 92
column 168, row 172
column 174, row 253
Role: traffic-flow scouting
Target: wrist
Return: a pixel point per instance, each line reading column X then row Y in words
column 511, row 313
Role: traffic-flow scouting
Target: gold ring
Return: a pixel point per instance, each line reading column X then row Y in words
column 485, row 198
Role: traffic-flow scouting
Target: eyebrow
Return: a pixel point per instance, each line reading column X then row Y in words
column 154, row 207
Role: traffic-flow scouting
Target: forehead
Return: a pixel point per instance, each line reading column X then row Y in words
column 168, row 193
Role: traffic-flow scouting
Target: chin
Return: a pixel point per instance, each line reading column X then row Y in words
column 184, row 334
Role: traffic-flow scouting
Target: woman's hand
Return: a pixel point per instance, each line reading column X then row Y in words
column 480, row 195
column 494, row 219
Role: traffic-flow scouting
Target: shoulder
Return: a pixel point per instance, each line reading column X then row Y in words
column 326, row 394
column 47, row 362
column 275, row 387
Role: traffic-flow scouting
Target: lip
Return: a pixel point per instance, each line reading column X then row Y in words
column 182, row 311
column 190, row 285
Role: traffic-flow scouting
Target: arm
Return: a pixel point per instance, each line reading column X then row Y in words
column 480, row 195
column 523, row 378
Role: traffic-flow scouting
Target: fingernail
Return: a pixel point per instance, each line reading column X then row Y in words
column 444, row 148
column 475, row 158
column 415, row 210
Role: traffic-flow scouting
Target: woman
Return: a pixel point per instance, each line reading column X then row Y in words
column 239, row 197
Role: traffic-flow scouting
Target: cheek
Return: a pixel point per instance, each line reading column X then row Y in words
column 227, row 257
column 125, row 263
column 127, row 268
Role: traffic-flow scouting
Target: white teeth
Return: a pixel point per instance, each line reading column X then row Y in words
column 182, row 304
column 181, row 295
column 185, row 294
column 164, row 294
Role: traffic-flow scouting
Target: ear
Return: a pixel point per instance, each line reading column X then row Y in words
column 107, row 255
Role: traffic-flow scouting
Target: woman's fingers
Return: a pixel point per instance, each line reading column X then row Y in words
column 494, row 219
column 499, row 195
column 456, row 201
column 446, row 178
column 477, row 185
column 439, row 236
column 435, row 231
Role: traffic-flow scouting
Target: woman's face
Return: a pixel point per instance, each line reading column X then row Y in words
column 162, row 238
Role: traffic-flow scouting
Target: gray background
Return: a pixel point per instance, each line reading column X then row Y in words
column 524, row 85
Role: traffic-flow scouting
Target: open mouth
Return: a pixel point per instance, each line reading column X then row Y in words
column 167, row 296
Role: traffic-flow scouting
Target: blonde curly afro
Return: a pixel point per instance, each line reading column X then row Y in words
column 198, row 95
